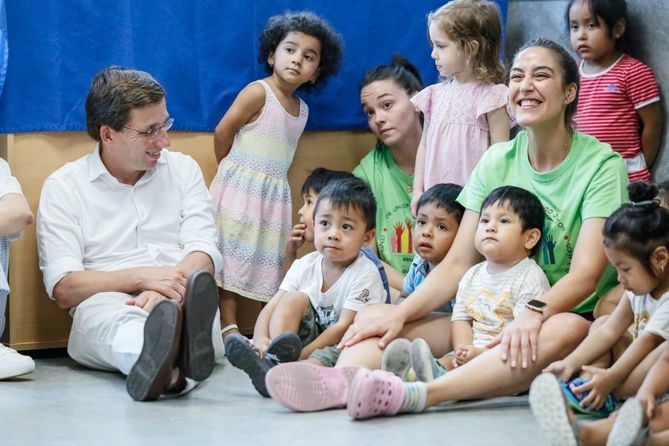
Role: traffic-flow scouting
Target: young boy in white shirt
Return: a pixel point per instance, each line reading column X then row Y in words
column 322, row 291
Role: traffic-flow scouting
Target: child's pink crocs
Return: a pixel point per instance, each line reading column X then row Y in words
column 307, row 387
column 374, row 394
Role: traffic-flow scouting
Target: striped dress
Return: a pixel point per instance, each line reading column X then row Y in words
column 252, row 200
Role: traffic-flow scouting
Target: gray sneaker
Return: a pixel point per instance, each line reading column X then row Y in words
column 628, row 429
column 425, row 365
column 397, row 359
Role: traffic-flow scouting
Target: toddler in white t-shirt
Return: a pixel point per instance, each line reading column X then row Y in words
column 322, row 291
column 490, row 294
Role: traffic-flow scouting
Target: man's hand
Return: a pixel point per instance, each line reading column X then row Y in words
column 169, row 281
column 520, row 339
column 146, row 300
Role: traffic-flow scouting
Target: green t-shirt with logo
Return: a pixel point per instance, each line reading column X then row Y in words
column 394, row 222
column 590, row 182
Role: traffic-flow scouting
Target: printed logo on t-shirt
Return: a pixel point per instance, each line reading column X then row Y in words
column 611, row 88
column 326, row 316
column 555, row 231
column 363, row 297
column 401, row 241
column 640, row 323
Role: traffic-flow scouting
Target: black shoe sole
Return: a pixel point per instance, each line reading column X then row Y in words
column 286, row 347
column 241, row 355
column 152, row 372
column 200, row 305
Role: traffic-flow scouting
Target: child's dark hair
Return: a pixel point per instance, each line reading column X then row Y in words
column 350, row 193
column 568, row 68
column 321, row 177
column 443, row 196
column 639, row 227
column 279, row 26
column 400, row 71
column 524, row 203
column 610, row 11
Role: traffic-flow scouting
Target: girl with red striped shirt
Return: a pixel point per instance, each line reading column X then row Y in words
column 619, row 102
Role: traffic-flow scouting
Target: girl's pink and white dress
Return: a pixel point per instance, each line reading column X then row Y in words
column 252, row 200
column 457, row 133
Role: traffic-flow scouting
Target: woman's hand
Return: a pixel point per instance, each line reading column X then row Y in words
column 600, row 385
column 386, row 327
column 563, row 369
column 520, row 339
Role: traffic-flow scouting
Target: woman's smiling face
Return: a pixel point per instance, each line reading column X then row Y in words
column 536, row 87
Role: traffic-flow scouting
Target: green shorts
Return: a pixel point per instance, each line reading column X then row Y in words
column 310, row 330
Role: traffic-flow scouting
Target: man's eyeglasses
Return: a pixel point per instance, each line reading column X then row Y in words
column 153, row 132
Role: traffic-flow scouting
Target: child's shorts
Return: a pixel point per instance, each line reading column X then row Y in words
column 310, row 330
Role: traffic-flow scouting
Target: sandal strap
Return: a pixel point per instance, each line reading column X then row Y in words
column 229, row 327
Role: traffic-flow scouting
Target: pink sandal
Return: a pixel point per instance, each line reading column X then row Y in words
column 375, row 393
column 305, row 387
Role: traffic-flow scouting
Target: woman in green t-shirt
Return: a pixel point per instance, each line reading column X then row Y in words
column 580, row 182
column 388, row 168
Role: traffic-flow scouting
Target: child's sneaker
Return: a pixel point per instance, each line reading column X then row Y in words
column 426, row 367
column 574, row 400
column 305, row 387
column 397, row 359
column 286, row 347
column 13, row 363
column 240, row 354
column 628, row 428
column 551, row 412
column 374, row 394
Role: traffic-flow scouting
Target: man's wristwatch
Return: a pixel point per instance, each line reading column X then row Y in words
column 536, row 305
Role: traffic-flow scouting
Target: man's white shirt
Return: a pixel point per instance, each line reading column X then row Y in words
column 88, row 220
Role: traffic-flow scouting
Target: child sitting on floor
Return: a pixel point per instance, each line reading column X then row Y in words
column 492, row 293
column 322, row 291
column 636, row 242
column 438, row 217
column 303, row 231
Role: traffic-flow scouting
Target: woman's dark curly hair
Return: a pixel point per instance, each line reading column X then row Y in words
column 279, row 26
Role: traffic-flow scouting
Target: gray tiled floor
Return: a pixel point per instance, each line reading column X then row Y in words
column 61, row 403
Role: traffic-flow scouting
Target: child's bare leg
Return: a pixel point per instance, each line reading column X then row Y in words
column 288, row 314
column 487, row 376
column 227, row 304
column 434, row 328
column 596, row 432
column 631, row 384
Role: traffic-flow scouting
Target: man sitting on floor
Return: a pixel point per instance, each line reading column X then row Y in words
column 126, row 241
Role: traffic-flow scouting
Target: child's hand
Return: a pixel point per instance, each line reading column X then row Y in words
column 562, row 369
column 261, row 344
column 599, row 387
column 648, row 402
column 296, row 237
column 466, row 353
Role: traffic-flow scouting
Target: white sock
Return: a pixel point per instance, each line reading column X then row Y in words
column 415, row 397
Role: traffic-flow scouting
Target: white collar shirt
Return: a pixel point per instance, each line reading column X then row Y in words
column 8, row 185
column 88, row 220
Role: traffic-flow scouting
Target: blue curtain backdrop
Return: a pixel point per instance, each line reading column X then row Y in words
column 202, row 51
